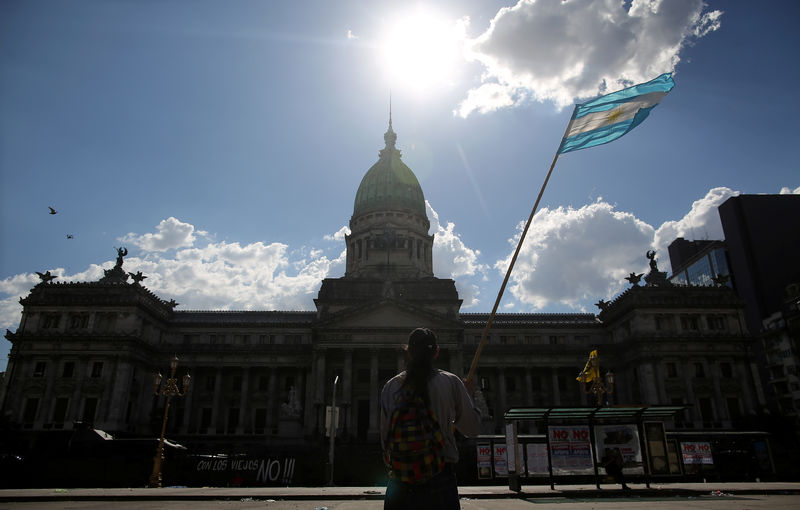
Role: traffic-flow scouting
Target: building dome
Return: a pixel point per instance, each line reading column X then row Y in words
column 389, row 185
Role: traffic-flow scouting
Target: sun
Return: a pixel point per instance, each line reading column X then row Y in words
column 420, row 51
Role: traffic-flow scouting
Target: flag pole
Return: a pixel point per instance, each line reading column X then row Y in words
column 508, row 273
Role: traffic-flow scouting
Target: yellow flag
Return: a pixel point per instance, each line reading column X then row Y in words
column 592, row 369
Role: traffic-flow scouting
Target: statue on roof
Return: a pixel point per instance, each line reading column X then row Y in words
column 655, row 278
column 635, row 278
column 137, row 277
column 121, row 252
column 46, row 277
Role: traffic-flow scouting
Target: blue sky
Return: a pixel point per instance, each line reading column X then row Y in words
column 222, row 143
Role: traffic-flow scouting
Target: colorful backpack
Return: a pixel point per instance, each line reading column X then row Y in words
column 414, row 447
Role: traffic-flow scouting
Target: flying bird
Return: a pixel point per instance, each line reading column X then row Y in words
column 52, row 211
column 70, row 236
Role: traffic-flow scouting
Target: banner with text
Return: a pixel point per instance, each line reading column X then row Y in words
column 570, row 450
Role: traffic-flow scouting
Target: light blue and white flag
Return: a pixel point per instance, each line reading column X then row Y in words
column 608, row 117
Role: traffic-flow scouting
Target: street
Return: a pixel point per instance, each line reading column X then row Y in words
column 730, row 502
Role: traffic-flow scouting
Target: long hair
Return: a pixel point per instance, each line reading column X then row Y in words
column 421, row 350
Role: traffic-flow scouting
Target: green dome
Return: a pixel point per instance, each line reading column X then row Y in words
column 389, row 184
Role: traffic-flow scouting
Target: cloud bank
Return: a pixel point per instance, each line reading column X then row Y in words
column 552, row 50
column 570, row 259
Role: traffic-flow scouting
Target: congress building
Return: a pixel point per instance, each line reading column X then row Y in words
column 85, row 353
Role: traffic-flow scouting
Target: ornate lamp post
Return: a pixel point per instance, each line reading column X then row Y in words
column 591, row 374
column 169, row 390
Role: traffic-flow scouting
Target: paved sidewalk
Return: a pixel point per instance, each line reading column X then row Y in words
column 355, row 493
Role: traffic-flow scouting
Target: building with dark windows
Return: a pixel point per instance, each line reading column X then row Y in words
column 85, row 353
column 758, row 258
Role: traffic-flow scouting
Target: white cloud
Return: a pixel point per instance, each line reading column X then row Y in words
column 701, row 222
column 573, row 255
column 559, row 51
column 453, row 259
column 338, row 235
column 171, row 233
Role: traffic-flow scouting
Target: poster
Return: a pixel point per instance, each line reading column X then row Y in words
column 484, row 460
column 697, row 452
column 570, row 450
column 626, row 438
column 500, row 461
column 536, row 456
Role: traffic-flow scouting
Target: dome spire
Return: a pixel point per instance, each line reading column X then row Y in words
column 390, row 137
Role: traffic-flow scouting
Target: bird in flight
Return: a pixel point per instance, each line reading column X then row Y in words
column 70, row 236
column 52, row 211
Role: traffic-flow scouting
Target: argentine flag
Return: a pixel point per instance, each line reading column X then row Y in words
column 608, row 117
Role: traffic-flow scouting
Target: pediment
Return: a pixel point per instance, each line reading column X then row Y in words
column 389, row 314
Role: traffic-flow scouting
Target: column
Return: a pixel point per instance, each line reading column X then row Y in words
column 75, row 404
column 692, row 413
column 216, row 402
column 662, row 391
column 47, row 401
column 347, row 391
column 528, row 388
column 243, row 410
column 718, row 403
column 188, row 399
column 120, row 385
column 272, row 410
column 744, row 384
column 319, row 395
column 502, row 405
column 373, row 432
column 556, row 390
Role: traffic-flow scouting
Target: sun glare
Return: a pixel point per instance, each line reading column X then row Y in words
column 420, row 51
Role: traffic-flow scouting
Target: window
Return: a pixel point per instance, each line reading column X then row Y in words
column 233, row 419
column 50, row 320
column 689, row 322
column 39, row 369
column 97, row 369
column 263, row 383
column 362, row 376
column 289, row 382
column 672, row 370
column 536, row 384
column 78, row 321
column 485, row 383
column 236, row 383
column 715, row 322
column 261, row 419
column 29, row 412
column 562, row 383
column 60, row 410
column 734, row 408
column 658, row 323
column 210, row 382
column 68, row 370
column 511, row 384
column 726, row 370
column 553, row 340
column 89, row 409
column 699, row 370
column 205, row 418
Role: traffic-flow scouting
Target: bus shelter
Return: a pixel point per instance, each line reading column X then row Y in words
column 578, row 437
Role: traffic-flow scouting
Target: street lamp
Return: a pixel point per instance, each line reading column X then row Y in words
column 169, row 390
column 591, row 374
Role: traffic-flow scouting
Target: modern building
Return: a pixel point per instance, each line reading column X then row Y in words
column 261, row 380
